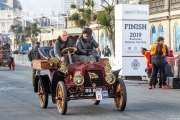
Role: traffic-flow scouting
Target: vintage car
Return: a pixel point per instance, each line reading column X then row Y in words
column 6, row 60
column 80, row 80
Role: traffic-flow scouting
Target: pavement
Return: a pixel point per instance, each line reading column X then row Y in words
column 19, row 102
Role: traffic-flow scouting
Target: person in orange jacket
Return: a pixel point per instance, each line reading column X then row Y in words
column 148, row 69
column 146, row 54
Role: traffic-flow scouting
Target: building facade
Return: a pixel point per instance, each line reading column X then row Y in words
column 164, row 21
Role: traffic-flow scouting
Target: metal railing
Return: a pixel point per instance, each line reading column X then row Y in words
column 21, row 59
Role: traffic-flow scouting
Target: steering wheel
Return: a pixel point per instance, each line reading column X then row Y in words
column 64, row 52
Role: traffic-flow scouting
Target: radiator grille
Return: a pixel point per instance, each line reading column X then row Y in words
column 98, row 81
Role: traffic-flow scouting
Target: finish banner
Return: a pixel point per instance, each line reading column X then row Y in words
column 131, row 34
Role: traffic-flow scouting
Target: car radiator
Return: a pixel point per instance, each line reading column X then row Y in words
column 98, row 81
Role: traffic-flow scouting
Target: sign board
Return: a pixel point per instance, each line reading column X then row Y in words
column 131, row 34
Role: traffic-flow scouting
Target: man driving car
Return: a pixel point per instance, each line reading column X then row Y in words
column 61, row 43
column 6, row 46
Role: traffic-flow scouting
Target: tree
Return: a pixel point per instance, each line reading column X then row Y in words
column 17, row 30
column 31, row 32
column 106, row 20
column 73, row 6
column 83, row 16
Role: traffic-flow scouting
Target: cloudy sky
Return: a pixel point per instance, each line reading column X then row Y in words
column 38, row 7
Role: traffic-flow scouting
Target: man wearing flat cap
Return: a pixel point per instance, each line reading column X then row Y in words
column 61, row 43
column 34, row 55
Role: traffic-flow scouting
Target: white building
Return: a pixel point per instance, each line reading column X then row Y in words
column 7, row 14
column 65, row 5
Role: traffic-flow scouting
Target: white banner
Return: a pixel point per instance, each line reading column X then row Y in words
column 131, row 34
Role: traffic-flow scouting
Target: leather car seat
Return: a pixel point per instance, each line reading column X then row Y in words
column 45, row 51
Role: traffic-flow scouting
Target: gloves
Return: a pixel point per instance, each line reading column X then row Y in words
column 88, row 52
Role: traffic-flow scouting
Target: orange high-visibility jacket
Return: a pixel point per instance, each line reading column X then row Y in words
column 154, row 47
column 147, row 59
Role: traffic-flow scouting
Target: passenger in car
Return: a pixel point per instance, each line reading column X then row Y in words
column 85, row 45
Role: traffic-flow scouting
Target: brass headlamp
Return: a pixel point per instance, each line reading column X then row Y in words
column 78, row 79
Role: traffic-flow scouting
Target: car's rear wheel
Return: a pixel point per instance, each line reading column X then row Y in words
column 61, row 97
column 120, row 98
column 43, row 98
column 95, row 101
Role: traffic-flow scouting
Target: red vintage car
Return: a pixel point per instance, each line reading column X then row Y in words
column 81, row 80
column 6, row 60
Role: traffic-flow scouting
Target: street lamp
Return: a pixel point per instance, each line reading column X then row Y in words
column 83, row 3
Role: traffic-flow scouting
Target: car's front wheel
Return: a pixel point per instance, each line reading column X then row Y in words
column 120, row 98
column 61, row 97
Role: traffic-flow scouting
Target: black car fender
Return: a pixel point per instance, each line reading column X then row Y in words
column 45, row 83
column 58, row 76
column 116, row 73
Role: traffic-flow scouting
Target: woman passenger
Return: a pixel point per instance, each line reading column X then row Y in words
column 85, row 45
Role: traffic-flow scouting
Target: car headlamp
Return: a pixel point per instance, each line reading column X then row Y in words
column 107, row 67
column 78, row 80
column 110, row 78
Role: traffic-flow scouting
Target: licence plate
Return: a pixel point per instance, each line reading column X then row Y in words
column 102, row 94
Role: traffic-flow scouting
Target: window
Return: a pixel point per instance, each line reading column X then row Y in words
column 102, row 40
column 161, row 31
column 153, row 35
column 2, row 8
column 177, row 38
column 94, row 36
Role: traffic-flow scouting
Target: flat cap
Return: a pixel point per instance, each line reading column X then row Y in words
column 37, row 43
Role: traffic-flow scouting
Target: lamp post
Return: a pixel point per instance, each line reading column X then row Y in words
column 83, row 3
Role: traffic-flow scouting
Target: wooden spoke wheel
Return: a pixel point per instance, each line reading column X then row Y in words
column 120, row 98
column 43, row 98
column 94, row 101
column 64, row 52
column 61, row 97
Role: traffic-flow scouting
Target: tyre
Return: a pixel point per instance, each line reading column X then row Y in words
column 61, row 97
column 12, row 65
column 43, row 98
column 120, row 97
column 94, row 101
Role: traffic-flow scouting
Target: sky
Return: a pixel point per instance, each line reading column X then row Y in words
column 38, row 7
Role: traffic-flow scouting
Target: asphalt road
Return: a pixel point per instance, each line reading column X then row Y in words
column 19, row 102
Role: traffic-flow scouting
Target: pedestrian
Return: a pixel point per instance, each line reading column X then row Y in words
column 158, row 52
column 106, row 52
column 34, row 55
column 171, row 60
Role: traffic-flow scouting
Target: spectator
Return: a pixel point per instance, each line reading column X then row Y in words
column 34, row 55
column 171, row 60
column 158, row 53
column 170, row 53
column 106, row 52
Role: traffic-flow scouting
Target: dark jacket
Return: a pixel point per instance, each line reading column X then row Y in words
column 6, row 47
column 168, row 70
column 60, row 45
column 34, row 54
column 106, row 52
column 86, row 46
